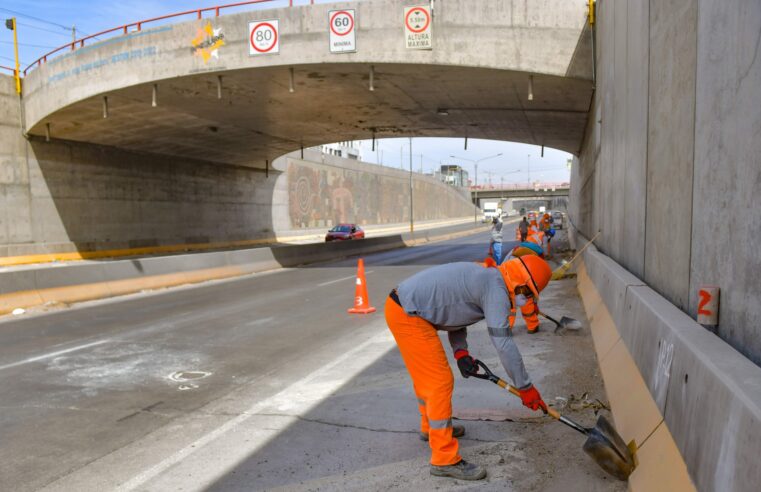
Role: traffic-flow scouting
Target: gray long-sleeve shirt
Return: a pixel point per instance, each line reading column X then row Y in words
column 456, row 295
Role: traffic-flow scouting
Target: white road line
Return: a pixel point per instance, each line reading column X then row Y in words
column 283, row 395
column 52, row 354
column 260, row 321
column 342, row 279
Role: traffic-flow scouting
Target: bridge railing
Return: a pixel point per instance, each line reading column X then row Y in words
column 8, row 69
column 521, row 186
column 138, row 26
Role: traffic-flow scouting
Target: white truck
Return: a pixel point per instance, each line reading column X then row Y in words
column 491, row 210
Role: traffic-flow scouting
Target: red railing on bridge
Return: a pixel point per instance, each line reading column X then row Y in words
column 11, row 70
column 138, row 26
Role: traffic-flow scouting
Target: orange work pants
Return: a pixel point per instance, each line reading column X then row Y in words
column 529, row 311
column 432, row 380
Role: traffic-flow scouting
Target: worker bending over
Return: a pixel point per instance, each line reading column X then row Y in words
column 450, row 298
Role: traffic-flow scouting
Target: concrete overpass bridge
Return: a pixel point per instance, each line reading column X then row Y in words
column 151, row 89
column 519, row 191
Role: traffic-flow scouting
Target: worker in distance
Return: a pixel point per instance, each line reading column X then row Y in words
column 450, row 298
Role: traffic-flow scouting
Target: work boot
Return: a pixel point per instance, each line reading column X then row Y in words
column 462, row 471
column 457, row 431
column 534, row 331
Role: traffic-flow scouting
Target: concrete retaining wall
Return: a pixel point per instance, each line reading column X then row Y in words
column 59, row 196
column 76, row 282
column 671, row 163
column 669, row 174
column 690, row 401
column 324, row 190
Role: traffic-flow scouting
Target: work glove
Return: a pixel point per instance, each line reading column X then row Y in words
column 532, row 399
column 465, row 363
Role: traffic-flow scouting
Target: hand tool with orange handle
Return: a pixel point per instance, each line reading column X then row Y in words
column 603, row 444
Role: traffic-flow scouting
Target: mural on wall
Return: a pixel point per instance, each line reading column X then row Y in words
column 322, row 195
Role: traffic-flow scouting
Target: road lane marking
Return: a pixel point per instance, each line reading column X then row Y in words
column 342, row 279
column 300, row 389
column 52, row 354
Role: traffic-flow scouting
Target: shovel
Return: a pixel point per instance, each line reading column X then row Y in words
column 564, row 324
column 603, row 443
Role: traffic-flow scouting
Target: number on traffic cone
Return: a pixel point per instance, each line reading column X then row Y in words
column 361, row 300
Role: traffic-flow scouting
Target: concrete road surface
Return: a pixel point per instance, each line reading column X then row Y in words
column 265, row 382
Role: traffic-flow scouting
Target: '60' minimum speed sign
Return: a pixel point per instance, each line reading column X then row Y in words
column 264, row 37
column 342, row 33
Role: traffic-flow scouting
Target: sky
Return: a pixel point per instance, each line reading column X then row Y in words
column 44, row 25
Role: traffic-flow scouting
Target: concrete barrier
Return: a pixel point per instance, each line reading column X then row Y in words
column 78, row 282
column 691, row 402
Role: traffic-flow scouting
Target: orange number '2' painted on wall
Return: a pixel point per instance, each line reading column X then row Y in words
column 705, row 298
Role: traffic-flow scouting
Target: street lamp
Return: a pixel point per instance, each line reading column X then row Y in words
column 475, row 163
column 401, row 149
column 412, row 216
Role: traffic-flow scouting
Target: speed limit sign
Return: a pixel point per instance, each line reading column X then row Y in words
column 263, row 37
column 342, row 32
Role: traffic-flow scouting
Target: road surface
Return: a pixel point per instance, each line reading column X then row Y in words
column 265, row 382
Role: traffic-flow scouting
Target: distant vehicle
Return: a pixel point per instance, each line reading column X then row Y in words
column 522, row 211
column 531, row 216
column 345, row 232
column 557, row 220
column 491, row 210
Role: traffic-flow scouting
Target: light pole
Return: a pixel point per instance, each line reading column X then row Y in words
column 401, row 154
column 475, row 164
column 528, row 171
column 412, row 223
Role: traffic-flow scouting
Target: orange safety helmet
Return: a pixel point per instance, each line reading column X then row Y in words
column 527, row 270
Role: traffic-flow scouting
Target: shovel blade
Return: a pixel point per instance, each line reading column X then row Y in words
column 609, row 450
column 570, row 323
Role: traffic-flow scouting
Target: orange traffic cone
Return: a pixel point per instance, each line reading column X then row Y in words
column 361, row 300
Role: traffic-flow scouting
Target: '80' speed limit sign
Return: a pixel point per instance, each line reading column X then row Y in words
column 264, row 37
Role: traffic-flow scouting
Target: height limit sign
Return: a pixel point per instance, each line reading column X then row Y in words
column 343, row 37
column 417, row 28
column 263, row 37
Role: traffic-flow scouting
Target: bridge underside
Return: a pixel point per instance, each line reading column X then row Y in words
column 258, row 118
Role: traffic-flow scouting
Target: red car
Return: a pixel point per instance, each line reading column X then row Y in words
column 343, row 232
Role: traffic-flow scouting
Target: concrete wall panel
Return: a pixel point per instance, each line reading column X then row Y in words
column 670, row 147
column 616, row 137
column 635, row 136
column 605, row 187
column 727, row 215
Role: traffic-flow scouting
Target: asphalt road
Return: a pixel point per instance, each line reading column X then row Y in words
column 265, row 382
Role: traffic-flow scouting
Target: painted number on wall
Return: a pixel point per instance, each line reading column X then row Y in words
column 264, row 37
column 708, row 305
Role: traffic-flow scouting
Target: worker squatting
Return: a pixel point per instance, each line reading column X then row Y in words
column 450, row 298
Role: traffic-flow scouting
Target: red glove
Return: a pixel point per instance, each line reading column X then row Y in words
column 532, row 399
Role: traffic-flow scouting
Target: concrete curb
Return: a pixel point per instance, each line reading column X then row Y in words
column 81, row 282
column 689, row 400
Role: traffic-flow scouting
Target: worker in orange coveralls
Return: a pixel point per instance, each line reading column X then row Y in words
column 450, row 298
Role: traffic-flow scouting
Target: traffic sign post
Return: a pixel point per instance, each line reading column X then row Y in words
column 343, row 37
column 417, row 28
column 264, row 37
